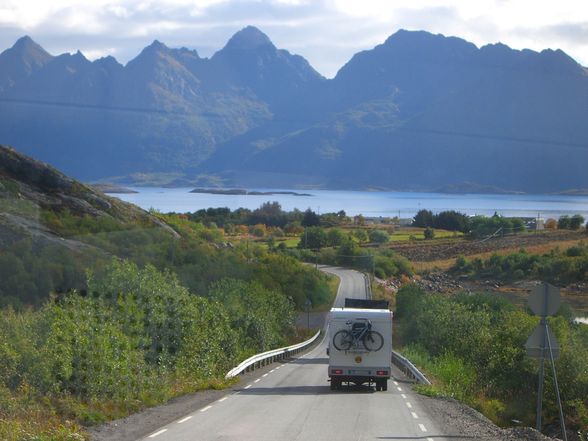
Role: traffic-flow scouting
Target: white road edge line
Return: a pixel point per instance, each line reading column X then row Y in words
column 408, row 405
column 205, row 409
column 272, row 370
column 222, row 399
column 183, row 420
column 153, row 435
column 414, row 415
column 257, row 381
column 430, row 439
column 248, row 386
column 396, row 383
column 403, row 396
column 422, row 427
column 399, row 389
column 264, row 375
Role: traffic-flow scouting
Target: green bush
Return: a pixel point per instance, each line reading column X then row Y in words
column 555, row 267
column 473, row 345
column 378, row 236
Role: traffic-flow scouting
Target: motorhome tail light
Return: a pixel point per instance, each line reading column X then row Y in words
column 381, row 372
column 337, row 371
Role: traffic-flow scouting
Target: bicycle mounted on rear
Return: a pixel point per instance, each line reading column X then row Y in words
column 359, row 335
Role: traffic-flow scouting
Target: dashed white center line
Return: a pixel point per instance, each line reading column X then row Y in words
column 403, row 396
column 205, row 409
column 430, row 439
column 422, row 427
column 264, row 375
column 414, row 415
column 399, row 389
column 222, row 399
column 153, row 435
column 257, row 381
column 248, row 386
column 183, row 420
column 409, row 405
column 396, row 383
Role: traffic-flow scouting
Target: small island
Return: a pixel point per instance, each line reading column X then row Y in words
column 243, row 192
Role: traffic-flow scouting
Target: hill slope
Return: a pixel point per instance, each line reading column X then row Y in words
column 53, row 227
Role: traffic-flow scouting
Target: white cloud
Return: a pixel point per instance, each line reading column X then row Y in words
column 327, row 32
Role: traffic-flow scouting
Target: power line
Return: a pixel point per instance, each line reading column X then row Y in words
column 278, row 120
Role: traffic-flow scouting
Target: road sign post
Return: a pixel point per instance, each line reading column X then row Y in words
column 307, row 306
column 544, row 300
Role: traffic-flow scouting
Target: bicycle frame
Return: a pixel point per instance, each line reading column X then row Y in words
column 359, row 333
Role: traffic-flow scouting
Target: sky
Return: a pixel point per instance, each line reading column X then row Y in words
column 326, row 32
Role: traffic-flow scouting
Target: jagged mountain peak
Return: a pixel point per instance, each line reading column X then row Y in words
column 108, row 60
column 157, row 45
column 425, row 42
column 154, row 51
column 24, row 42
column 79, row 56
column 27, row 48
column 249, row 38
column 20, row 61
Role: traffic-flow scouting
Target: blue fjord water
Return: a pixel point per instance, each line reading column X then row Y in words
column 370, row 204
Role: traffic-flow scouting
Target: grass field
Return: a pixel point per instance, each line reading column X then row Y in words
column 413, row 233
column 445, row 264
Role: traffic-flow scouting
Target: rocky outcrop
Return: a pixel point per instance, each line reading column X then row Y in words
column 28, row 187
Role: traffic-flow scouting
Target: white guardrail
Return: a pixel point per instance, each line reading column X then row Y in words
column 268, row 357
column 408, row 368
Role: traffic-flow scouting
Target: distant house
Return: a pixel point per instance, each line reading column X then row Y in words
column 534, row 223
column 407, row 222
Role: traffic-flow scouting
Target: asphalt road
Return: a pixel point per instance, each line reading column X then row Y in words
column 293, row 401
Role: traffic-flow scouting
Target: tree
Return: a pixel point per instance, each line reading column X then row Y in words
column 310, row 219
column 359, row 220
column 550, row 224
column 360, row 235
column 424, row 218
column 293, row 228
column 270, row 214
column 563, row 222
column 335, row 237
column 576, row 221
column 258, row 230
column 453, row 221
column 429, row 233
column 379, row 236
column 313, row 238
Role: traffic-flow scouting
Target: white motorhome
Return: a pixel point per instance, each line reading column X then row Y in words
column 360, row 346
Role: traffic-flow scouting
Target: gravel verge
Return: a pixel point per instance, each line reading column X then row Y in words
column 461, row 421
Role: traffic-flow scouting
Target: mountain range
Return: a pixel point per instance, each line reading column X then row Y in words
column 418, row 112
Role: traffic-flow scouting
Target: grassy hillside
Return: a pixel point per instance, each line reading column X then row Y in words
column 107, row 309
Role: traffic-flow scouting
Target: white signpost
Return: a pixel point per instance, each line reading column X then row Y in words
column 544, row 301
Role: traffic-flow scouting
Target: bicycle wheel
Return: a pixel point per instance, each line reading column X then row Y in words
column 342, row 340
column 373, row 341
